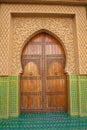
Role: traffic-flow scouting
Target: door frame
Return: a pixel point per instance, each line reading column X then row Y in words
column 58, row 39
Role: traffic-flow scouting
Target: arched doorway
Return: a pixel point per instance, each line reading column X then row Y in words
column 43, row 82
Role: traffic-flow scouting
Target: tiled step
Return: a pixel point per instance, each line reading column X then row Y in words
column 44, row 121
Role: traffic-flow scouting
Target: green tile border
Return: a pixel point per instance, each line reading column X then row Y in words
column 81, row 94
column 14, row 80
column 73, row 94
column 82, row 80
column 76, row 87
column 14, row 96
column 4, row 97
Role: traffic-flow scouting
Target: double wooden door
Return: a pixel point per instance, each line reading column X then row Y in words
column 43, row 82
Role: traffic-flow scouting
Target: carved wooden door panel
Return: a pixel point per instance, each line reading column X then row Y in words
column 43, row 82
column 56, row 97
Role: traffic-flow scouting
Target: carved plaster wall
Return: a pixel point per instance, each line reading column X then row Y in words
column 25, row 27
column 16, row 28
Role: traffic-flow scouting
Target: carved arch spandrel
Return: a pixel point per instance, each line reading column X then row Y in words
column 64, row 36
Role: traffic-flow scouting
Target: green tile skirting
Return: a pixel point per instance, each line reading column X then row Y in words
column 13, row 96
column 4, row 97
column 9, row 95
column 9, row 90
column 73, row 94
column 82, row 85
column 77, row 94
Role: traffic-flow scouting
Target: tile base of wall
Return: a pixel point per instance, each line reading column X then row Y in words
column 77, row 95
column 9, row 95
column 9, row 100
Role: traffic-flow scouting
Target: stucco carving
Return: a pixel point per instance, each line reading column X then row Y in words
column 10, row 45
column 24, row 27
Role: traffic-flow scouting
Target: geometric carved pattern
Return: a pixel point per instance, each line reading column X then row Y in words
column 16, row 29
column 4, row 43
column 24, row 27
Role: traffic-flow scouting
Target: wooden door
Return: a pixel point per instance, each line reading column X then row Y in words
column 43, row 82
